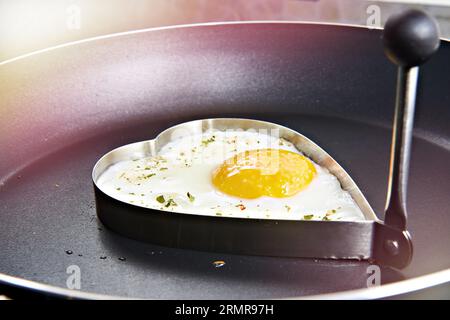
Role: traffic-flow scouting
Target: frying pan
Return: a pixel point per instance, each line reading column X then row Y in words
column 61, row 109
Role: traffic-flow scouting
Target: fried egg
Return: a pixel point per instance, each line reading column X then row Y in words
column 233, row 173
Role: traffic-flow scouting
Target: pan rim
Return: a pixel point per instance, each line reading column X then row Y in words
column 183, row 26
column 383, row 291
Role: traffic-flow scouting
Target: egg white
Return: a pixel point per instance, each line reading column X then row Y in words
column 179, row 179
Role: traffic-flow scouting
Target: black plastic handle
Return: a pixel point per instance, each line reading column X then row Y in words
column 410, row 38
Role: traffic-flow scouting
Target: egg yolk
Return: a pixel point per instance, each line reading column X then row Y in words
column 264, row 172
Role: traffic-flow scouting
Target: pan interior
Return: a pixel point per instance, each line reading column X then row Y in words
column 48, row 209
column 81, row 101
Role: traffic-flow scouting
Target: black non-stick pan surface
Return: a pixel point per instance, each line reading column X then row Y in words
column 60, row 110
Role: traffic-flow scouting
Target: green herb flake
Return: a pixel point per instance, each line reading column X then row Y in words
column 308, row 217
column 208, row 141
column 190, row 197
column 330, row 212
column 118, row 189
column 171, row 202
column 150, row 175
column 325, row 218
column 162, row 169
column 219, row 214
column 160, row 199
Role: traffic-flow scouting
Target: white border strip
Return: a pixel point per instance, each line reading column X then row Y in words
column 443, row 3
